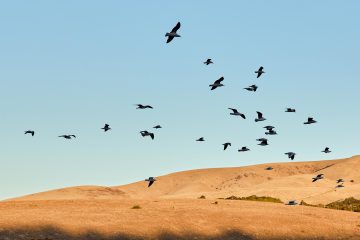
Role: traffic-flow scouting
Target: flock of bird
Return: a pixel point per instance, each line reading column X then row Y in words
column 234, row 112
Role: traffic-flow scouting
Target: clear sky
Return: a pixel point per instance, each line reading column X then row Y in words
column 69, row 67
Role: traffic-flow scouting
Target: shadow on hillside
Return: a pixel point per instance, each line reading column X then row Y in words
column 52, row 233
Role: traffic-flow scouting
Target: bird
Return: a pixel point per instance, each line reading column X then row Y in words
column 173, row 33
column 259, row 117
column 151, row 180
column 140, row 106
column 208, row 61
column 292, row 202
column 291, row 155
column 146, row 133
column 243, row 149
column 68, row 136
column 217, row 83
column 340, row 180
column 269, row 168
column 261, row 139
column 200, row 139
column 269, row 128
column 326, row 150
column 226, row 145
column 252, row 88
column 30, row 132
column 260, row 71
column 310, row 121
column 157, row 127
column 318, row 177
column 290, row 110
column 271, row 132
column 236, row 113
column 264, row 142
column 106, row 127
column 340, row 185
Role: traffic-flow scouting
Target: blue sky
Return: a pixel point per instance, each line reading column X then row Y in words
column 68, row 67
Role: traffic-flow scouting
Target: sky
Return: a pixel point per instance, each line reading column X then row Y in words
column 69, row 67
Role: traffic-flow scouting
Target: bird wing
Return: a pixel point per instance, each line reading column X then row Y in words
column 62, row 136
column 234, row 110
column 73, row 136
column 178, row 25
column 219, row 80
column 242, row 115
column 259, row 114
column 213, row 87
column 152, row 136
column 170, row 38
column 32, row 133
column 150, row 183
column 261, row 68
column 310, row 119
column 106, row 125
column 326, row 149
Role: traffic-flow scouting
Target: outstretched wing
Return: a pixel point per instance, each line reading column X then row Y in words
column 152, row 136
column 150, row 183
column 233, row 109
column 178, row 25
column 259, row 114
column 170, row 38
column 219, row 80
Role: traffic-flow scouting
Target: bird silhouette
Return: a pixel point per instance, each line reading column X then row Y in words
column 208, row 61
column 146, row 133
column 157, row 127
column 140, row 106
column 252, row 88
column 271, row 132
column 340, row 180
column 226, row 145
column 260, row 71
column 236, row 113
column 173, row 33
column 326, row 150
column 30, row 132
column 310, row 121
column 269, row 168
column 68, row 136
column 290, row 110
column 106, row 127
column 259, row 117
column 269, row 128
column 291, row 155
column 263, row 142
column 200, row 139
column 318, row 177
column 151, row 180
column 217, row 83
column 243, row 149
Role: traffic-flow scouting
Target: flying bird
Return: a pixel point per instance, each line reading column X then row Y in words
column 340, row 185
column 140, row 106
column 200, row 139
column 226, row 145
column 271, row 132
column 310, row 121
column 261, row 139
column 318, row 177
column 340, row 180
column 326, row 150
column 269, row 128
column 173, row 33
column 236, row 113
column 157, row 127
column 252, row 88
column 106, row 127
column 151, row 180
column 208, row 61
column 146, row 133
column 290, row 110
column 291, row 155
column 259, row 117
column 68, row 136
column 243, row 149
column 259, row 72
column 30, row 132
column 269, row 168
column 263, row 142
column 217, row 83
